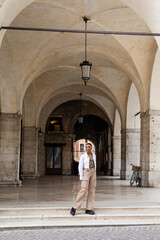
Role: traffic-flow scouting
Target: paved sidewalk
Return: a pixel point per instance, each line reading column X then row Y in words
column 100, row 233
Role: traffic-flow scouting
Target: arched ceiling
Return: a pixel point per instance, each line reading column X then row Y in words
column 38, row 116
column 49, row 62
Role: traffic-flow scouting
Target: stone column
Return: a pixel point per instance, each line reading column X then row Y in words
column 150, row 148
column 132, row 150
column 116, row 155
column 10, row 131
column 30, row 152
column 41, row 155
column 123, row 154
column 67, row 156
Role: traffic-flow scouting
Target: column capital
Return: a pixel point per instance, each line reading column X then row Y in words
column 116, row 137
column 150, row 113
column 130, row 130
column 10, row 115
column 30, row 128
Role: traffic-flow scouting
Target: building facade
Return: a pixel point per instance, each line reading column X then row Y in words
column 40, row 84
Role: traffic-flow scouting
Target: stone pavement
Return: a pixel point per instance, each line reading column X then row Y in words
column 61, row 191
column 151, row 232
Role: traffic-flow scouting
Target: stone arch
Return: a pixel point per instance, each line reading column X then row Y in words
column 29, row 107
column 11, row 82
column 149, row 12
column 97, row 130
column 8, row 87
column 117, row 144
column 95, row 93
column 9, row 11
column 155, row 84
column 49, row 107
column 132, row 131
column 133, row 110
column 73, row 51
column 91, row 112
column 131, row 74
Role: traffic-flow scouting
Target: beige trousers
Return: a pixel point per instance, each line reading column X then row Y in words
column 88, row 184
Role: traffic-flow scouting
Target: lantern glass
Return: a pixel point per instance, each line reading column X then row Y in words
column 86, row 70
column 80, row 119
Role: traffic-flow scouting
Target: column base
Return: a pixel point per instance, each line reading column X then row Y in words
column 126, row 175
column 154, row 179
column 145, row 179
column 123, row 175
column 30, row 176
column 116, row 172
column 11, row 182
column 150, row 179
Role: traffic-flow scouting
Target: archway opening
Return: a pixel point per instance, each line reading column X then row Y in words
column 61, row 127
column 78, row 150
column 95, row 130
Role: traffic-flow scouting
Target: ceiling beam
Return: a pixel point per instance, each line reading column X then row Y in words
column 81, row 31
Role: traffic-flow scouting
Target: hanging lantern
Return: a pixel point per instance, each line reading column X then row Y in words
column 85, row 65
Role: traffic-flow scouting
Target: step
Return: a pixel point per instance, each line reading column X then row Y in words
column 65, row 211
column 60, row 217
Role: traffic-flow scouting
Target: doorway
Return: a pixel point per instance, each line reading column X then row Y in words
column 53, row 159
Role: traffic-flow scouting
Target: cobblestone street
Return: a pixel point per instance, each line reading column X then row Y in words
column 98, row 233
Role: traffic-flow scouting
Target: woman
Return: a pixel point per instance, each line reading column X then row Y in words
column 87, row 163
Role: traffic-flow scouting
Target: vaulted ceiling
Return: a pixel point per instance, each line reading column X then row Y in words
column 41, row 66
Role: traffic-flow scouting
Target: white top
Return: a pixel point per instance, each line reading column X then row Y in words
column 84, row 163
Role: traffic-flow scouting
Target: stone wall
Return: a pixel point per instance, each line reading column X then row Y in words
column 132, row 150
column 150, row 148
column 123, row 154
column 116, row 155
column 10, row 129
column 29, row 152
column 41, row 154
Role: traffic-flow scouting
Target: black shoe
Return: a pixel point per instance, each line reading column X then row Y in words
column 91, row 212
column 73, row 211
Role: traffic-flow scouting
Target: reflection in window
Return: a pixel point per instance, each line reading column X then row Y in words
column 81, row 147
column 57, row 157
column 54, row 124
column 49, row 157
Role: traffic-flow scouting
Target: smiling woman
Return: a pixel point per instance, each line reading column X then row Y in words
column 87, row 172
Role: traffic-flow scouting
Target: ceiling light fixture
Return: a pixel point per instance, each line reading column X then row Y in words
column 85, row 65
